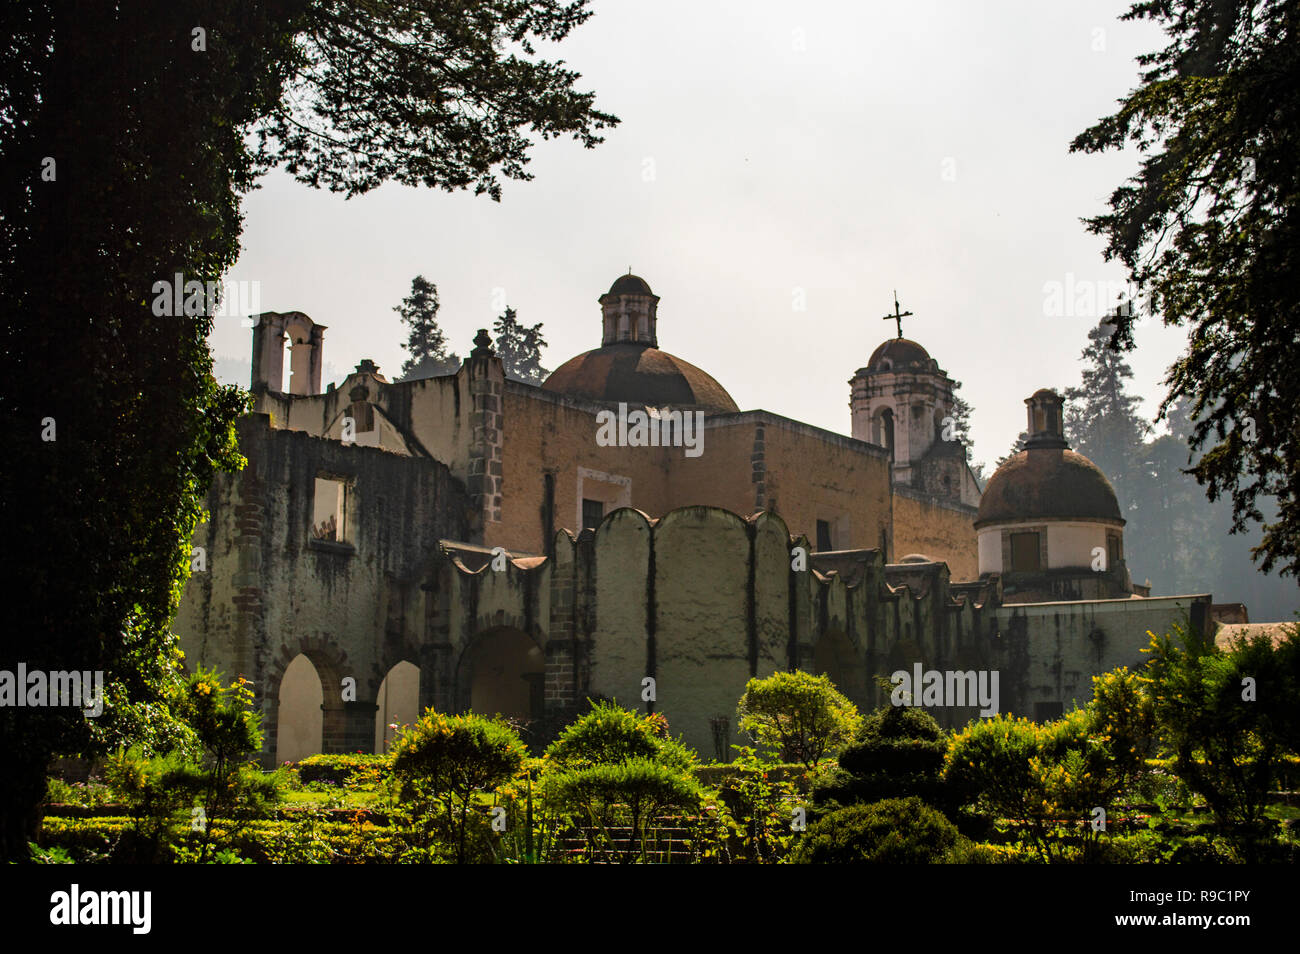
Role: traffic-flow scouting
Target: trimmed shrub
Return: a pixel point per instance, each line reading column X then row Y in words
column 609, row 734
column 801, row 716
column 893, row 831
column 627, row 795
column 442, row 764
column 899, row 752
column 344, row 769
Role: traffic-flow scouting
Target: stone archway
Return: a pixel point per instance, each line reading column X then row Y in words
column 502, row 670
column 397, row 703
column 346, row 714
column 299, row 730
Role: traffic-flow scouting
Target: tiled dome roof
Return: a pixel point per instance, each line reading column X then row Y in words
column 638, row 374
column 1048, row 483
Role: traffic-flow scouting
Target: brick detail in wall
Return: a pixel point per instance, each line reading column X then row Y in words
column 484, row 470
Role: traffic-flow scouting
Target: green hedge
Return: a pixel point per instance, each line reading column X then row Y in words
column 305, row 841
column 892, row 831
column 340, row 769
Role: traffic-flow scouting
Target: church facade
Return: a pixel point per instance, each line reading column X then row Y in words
column 470, row 542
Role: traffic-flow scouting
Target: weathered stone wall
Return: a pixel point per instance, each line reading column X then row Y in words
column 271, row 591
column 1064, row 644
column 939, row 529
column 701, row 600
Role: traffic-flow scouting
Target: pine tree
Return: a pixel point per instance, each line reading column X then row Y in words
column 1208, row 228
column 961, row 413
column 520, row 349
column 1102, row 421
column 1016, row 447
column 427, row 344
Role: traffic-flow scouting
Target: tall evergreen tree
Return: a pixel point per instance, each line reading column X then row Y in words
column 961, row 413
column 520, row 348
column 426, row 345
column 1209, row 230
column 1101, row 418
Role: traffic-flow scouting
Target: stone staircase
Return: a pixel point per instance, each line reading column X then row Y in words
column 666, row 842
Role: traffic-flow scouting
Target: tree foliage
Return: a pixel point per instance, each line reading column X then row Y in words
column 520, row 348
column 801, row 716
column 888, row 832
column 898, row 753
column 610, row 734
column 1226, row 746
column 442, row 763
column 426, row 344
column 1102, row 421
column 1209, row 229
column 425, row 93
column 127, row 139
column 616, row 769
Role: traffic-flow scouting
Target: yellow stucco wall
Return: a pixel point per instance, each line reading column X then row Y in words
column 942, row 533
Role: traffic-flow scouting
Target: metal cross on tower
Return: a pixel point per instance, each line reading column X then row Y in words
column 897, row 316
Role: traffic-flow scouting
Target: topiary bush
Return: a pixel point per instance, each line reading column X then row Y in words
column 609, row 734
column 893, row 831
column 899, row 753
column 802, row 717
column 441, row 765
column 611, row 774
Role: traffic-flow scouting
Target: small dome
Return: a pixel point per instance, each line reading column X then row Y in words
column 630, row 284
column 1050, row 483
column 897, row 352
column 637, row 374
column 916, row 558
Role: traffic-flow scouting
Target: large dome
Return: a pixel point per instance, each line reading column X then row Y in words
column 1048, row 483
column 897, row 352
column 637, row 374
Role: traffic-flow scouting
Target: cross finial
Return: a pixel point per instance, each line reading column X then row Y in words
column 897, row 316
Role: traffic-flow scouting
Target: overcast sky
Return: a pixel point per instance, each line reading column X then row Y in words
column 767, row 152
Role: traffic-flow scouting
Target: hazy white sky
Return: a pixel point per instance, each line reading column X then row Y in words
column 767, row 150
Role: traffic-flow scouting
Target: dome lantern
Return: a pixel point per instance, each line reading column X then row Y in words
column 629, row 313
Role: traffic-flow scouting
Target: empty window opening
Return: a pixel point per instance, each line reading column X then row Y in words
column 329, row 513
column 286, row 368
column 593, row 512
column 1024, row 553
column 824, row 535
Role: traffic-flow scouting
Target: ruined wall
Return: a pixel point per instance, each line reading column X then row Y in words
column 940, row 530
column 702, row 600
column 271, row 591
column 434, row 411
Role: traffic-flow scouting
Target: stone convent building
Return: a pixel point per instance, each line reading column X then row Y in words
column 469, row 542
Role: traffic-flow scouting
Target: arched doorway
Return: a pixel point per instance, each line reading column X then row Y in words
column 502, row 671
column 300, row 721
column 398, row 703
